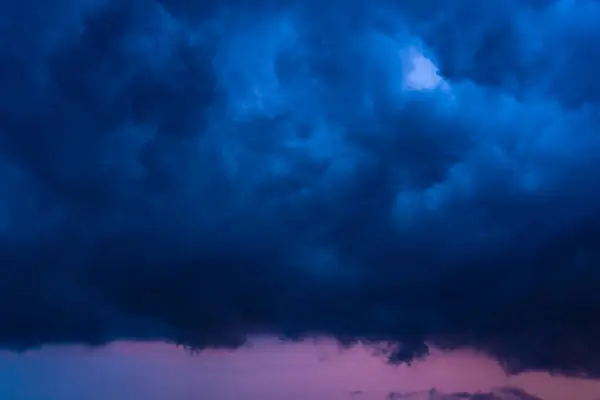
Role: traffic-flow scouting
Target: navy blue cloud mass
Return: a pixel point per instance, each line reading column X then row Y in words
column 201, row 171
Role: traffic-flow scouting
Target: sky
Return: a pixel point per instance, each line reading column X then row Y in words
column 402, row 175
column 269, row 370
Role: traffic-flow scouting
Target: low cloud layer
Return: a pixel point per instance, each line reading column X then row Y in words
column 504, row 393
column 201, row 171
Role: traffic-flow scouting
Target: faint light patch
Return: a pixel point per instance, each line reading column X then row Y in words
column 245, row 66
column 422, row 73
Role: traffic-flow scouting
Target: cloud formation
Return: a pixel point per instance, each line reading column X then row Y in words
column 199, row 172
column 503, row 393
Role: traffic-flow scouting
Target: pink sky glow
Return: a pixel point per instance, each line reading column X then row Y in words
column 266, row 371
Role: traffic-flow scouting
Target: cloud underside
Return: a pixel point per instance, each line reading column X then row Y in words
column 198, row 172
column 502, row 393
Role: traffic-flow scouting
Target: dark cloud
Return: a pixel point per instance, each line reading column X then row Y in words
column 199, row 172
column 502, row 393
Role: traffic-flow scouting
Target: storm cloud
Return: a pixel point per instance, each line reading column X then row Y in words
column 202, row 171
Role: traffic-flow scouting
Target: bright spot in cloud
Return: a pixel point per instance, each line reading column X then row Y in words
column 423, row 73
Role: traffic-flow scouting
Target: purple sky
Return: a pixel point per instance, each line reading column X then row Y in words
column 267, row 370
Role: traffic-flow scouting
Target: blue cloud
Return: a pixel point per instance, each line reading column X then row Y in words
column 202, row 171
